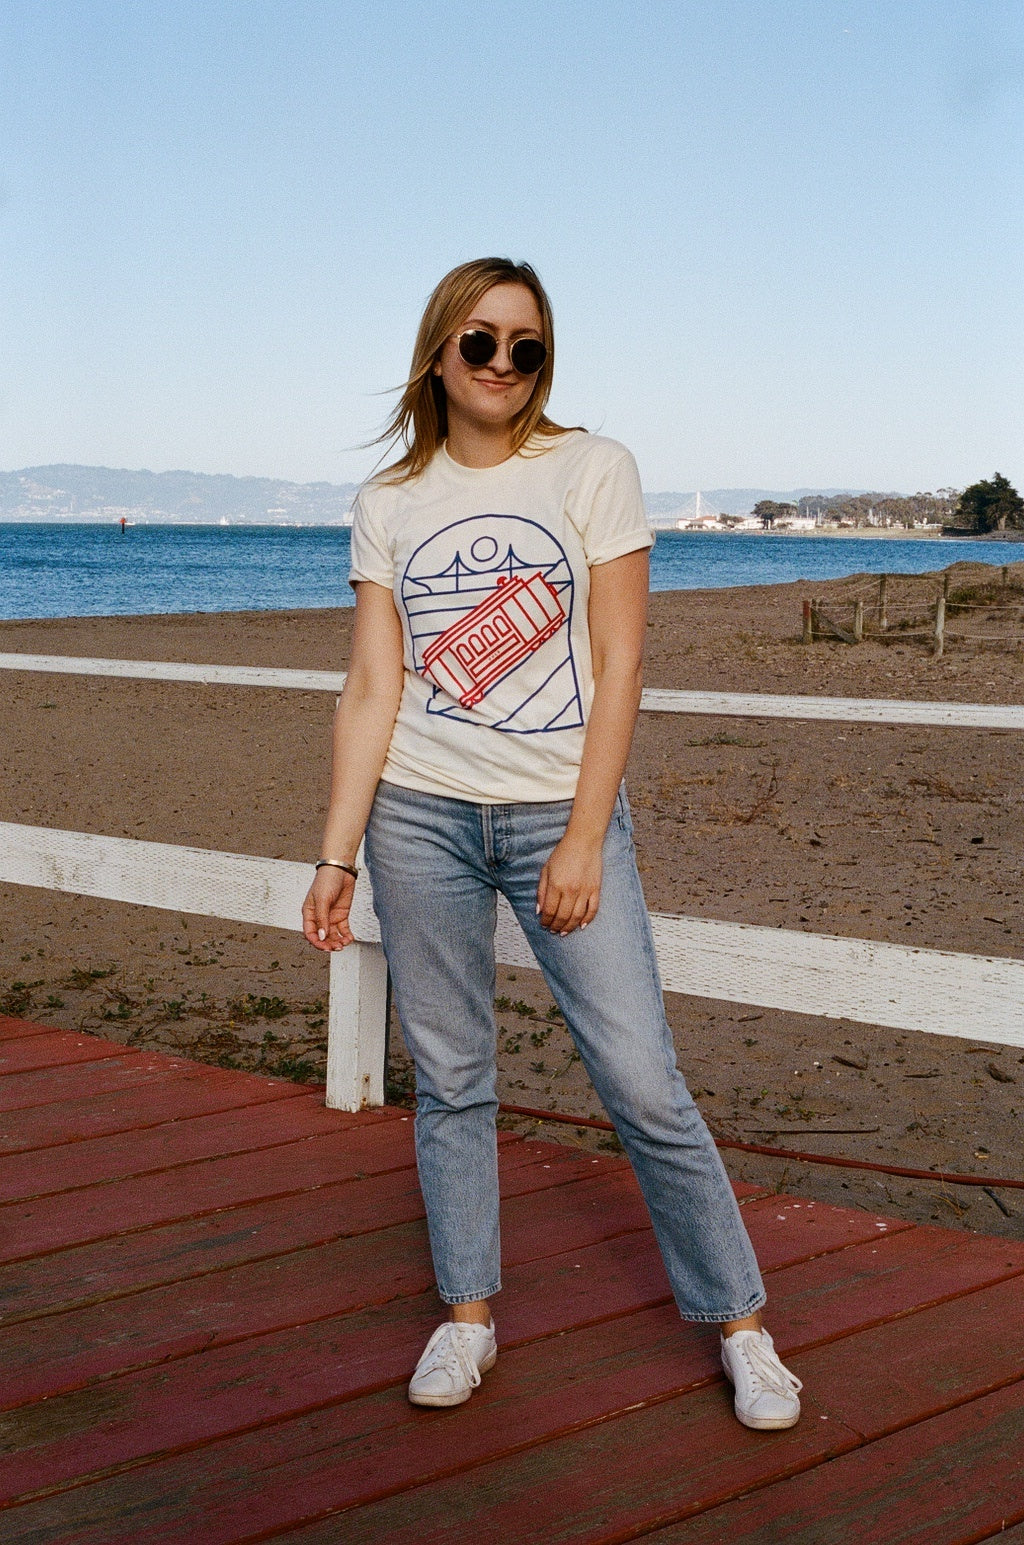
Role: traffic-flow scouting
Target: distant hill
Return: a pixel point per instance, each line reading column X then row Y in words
column 74, row 493
column 69, row 493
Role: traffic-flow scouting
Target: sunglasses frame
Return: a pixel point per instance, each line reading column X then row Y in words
column 486, row 332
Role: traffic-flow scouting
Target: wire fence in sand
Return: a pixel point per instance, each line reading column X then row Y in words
column 901, row 607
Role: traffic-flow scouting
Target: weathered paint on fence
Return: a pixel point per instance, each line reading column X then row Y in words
column 936, row 991
column 755, row 705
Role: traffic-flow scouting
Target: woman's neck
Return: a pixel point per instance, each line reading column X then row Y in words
column 478, row 445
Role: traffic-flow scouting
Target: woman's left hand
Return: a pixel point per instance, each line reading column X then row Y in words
column 570, row 886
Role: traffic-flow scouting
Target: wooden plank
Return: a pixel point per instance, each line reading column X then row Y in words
column 47, row 1223
column 357, row 1026
column 191, row 1189
column 177, row 670
column 855, row 710
column 577, row 1287
column 197, row 881
column 52, row 1086
column 9, row 1028
column 874, row 1281
column 21, row 1054
column 780, row 1225
column 206, row 1396
column 333, row 1457
column 758, row 705
column 90, row 1273
column 822, row 620
column 179, row 1140
column 608, row 1481
column 937, row 991
column 552, row 1491
column 193, row 1090
column 948, row 1481
column 65, row 1350
column 936, row 1359
column 544, row 1387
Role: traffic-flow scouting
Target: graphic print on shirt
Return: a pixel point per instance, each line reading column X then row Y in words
column 488, row 602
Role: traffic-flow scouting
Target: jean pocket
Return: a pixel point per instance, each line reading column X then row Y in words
column 622, row 812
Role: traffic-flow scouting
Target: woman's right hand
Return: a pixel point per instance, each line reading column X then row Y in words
column 326, row 908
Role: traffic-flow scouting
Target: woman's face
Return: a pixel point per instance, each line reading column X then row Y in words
column 489, row 396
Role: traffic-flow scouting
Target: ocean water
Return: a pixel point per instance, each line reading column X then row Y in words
column 95, row 571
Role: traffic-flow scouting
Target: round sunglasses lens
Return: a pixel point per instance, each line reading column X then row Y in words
column 528, row 355
column 477, row 347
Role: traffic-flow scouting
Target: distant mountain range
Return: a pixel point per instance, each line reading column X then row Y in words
column 74, row 493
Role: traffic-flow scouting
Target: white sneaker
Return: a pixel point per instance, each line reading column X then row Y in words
column 452, row 1362
column 766, row 1391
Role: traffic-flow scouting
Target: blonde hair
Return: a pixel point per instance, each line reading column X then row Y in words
column 420, row 419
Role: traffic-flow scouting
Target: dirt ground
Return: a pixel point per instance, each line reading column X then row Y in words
column 893, row 833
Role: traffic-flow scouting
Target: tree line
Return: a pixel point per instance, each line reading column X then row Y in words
column 990, row 505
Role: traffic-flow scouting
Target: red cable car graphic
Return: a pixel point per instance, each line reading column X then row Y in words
column 501, row 631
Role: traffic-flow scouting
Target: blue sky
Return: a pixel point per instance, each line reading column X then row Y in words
column 782, row 239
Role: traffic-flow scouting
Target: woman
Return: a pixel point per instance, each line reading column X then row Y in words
column 500, row 569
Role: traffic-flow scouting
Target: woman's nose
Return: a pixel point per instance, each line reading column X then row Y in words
column 502, row 360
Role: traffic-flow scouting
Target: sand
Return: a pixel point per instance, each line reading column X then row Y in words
column 894, row 833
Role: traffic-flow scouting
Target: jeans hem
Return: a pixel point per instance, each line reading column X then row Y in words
column 472, row 1298
column 757, row 1302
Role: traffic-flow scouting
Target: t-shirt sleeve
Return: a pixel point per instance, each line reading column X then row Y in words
column 616, row 521
column 371, row 555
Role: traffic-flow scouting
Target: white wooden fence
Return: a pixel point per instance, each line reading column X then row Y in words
column 976, row 996
column 939, row 991
column 746, row 705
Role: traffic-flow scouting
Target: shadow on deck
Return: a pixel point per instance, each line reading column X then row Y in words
column 213, row 1291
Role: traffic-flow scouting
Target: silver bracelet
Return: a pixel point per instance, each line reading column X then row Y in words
column 336, row 863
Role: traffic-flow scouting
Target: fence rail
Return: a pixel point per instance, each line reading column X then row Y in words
column 936, row 991
column 748, row 705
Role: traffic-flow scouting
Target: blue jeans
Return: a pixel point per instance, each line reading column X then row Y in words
column 436, row 866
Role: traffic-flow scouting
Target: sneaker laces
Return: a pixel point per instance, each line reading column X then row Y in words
column 763, row 1362
column 448, row 1351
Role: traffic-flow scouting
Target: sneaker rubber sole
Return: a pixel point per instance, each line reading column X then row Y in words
column 766, row 1423
column 461, row 1396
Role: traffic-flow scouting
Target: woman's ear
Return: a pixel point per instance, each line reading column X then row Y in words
column 436, row 367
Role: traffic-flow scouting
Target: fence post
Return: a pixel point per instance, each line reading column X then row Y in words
column 1004, row 578
column 883, row 602
column 808, row 637
column 357, row 1027
column 945, row 585
column 940, row 627
column 858, row 620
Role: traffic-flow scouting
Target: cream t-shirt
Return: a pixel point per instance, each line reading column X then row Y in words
column 490, row 571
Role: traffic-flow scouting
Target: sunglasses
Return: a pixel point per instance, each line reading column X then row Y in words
column 478, row 347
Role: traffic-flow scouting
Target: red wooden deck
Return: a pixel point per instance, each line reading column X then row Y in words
column 213, row 1290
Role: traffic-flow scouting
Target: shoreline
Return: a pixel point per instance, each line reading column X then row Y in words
column 865, row 533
